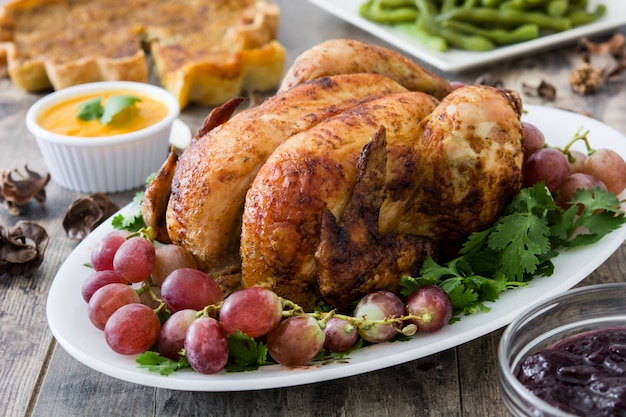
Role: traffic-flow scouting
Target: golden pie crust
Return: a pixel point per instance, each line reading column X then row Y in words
column 203, row 51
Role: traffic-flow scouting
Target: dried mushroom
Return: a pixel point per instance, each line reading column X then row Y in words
column 488, row 79
column 589, row 77
column 87, row 213
column 17, row 192
column 544, row 90
column 22, row 248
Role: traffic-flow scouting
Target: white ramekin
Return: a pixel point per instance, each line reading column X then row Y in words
column 104, row 164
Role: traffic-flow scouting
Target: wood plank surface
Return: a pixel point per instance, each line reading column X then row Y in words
column 38, row 378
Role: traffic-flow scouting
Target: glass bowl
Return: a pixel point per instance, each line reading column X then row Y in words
column 104, row 163
column 581, row 310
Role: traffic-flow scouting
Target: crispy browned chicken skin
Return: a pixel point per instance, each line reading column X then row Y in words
column 314, row 171
column 353, row 257
column 271, row 195
column 451, row 169
column 215, row 172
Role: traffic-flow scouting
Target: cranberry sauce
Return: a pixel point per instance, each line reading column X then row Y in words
column 583, row 375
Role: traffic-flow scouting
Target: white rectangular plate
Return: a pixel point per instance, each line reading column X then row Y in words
column 456, row 60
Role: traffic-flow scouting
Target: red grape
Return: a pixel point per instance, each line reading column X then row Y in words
column 190, row 288
column 533, row 139
column 339, row 335
column 457, row 84
column 295, row 341
column 255, row 311
column 379, row 305
column 548, row 165
column 134, row 259
column 152, row 297
column 431, row 302
column 102, row 254
column 206, row 346
column 168, row 258
column 578, row 180
column 98, row 280
column 609, row 167
column 132, row 329
column 576, row 160
column 105, row 301
column 172, row 335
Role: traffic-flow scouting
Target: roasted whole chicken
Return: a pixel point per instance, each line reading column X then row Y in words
column 339, row 185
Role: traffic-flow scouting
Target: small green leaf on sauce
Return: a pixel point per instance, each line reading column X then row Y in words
column 92, row 109
column 115, row 105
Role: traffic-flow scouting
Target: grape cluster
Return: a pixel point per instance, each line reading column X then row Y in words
column 566, row 170
column 146, row 298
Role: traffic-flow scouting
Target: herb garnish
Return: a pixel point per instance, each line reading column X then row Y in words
column 161, row 364
column 133, row 221
column 519, row 245
column 92, row 109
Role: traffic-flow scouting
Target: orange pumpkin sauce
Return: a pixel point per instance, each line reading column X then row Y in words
column 62, row 118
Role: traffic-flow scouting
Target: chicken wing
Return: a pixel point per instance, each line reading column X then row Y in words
column 347, row 56
column 353, row 257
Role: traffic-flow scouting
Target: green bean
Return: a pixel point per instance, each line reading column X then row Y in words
column 580, row 3
column 498, row 36
column 427, row 39
column 514, row 4
column 447, row 5
column 426, row 8
column 582, row 17
column 468, row 4
column 372, row 11
column 455, row 38
column 490, row 3
column 497, row 16
column 479, row 24
column 396, row 3
column 557, row 8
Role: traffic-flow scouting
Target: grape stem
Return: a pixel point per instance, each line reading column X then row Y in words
column 579, row 136
column 147, row 233
column 147, row 287
column 292, row 309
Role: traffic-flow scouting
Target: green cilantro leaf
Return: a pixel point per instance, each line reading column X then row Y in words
column 245, row 353
column 115, row 105
column 519, row 246
column 90, row 109
column 133, row 221
column 157, row 363
column 520, row 239
column 600, row 216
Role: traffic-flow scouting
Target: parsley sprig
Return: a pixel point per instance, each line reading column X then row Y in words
column 519, row 246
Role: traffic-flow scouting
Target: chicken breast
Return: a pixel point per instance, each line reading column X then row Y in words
column 213, row 175
column 451, row 169
column 348, row 56
column 314, row 171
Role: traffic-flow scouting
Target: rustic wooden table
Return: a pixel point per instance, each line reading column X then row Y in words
column 38, row 378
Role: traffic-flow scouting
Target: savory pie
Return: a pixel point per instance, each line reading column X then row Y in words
column 204, row 51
